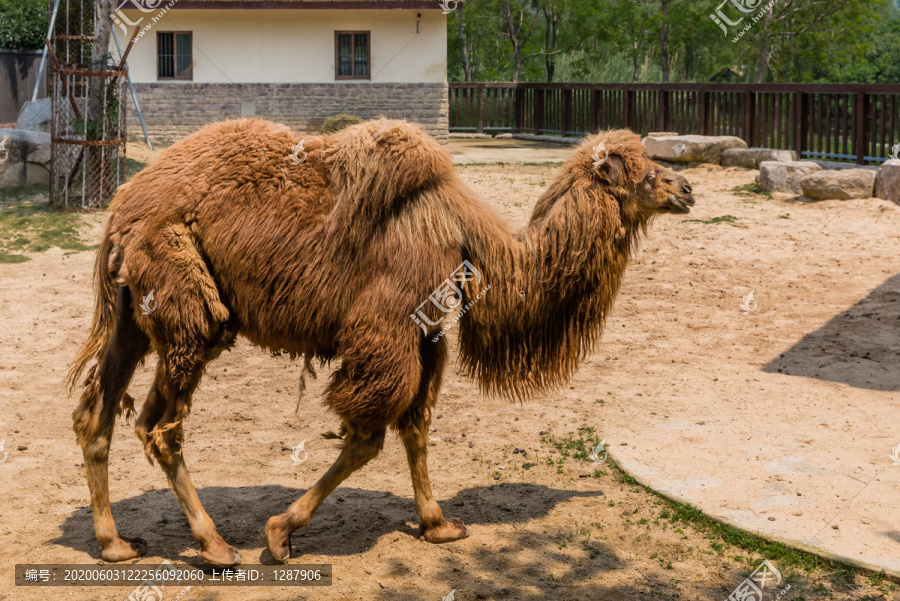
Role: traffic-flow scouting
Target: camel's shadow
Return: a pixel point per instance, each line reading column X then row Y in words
column 352, row 520
column 858, row 347
column 349, row 522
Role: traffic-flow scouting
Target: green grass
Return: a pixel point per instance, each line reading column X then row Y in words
column 750, row 190
column 29, row 225
column 729, row 219
column 132, row 166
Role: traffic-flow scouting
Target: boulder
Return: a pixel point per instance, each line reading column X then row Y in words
column 750, row 158
column 691, row 149
column 662, row 134
column 35, row 116
column 24, row 158
column 887, row 182
column 839, row 185
column 784, row 176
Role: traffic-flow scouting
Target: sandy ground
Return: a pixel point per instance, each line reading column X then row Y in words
column 677, row 356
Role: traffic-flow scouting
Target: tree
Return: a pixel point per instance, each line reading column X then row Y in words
column 519, row 23
column 553, row 12
column 23, row 24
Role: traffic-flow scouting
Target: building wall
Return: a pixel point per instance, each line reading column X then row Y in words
column 173, row 110
column 279, row 64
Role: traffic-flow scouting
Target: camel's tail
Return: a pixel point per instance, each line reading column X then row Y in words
column 104, row 310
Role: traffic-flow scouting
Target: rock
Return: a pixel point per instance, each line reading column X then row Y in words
column 662, row 134
column 687, row 149
column 35, row 116
column 750, row 158
column 887, row 182
column 839, row 185
column 24, row 158
column 784, row 176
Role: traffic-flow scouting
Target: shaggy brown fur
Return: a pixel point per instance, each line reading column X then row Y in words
column 328, row 259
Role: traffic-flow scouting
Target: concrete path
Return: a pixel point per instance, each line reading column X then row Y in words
column 468, row 151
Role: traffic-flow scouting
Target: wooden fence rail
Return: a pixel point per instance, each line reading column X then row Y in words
column 854, row 122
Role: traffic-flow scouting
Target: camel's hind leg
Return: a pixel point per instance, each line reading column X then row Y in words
column 160, row 427
column 94, row 420
column 413, row 428
column 359, row 449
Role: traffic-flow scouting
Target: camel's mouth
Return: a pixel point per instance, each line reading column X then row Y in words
column 680, row 205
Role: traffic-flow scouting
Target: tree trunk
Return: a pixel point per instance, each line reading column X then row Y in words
column 635, row 63
column 551, row 38
column 762, row 67
column 461, row 28
column 664, row 41
column 96, row 109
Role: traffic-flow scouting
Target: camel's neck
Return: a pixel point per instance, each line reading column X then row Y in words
column 551, row 290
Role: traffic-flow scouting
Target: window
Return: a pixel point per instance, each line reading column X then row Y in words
column 351, row 55
column 173, row 55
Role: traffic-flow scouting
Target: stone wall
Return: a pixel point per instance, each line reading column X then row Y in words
column 173, row 110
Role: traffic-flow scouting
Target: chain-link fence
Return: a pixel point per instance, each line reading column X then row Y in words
column 88, row 135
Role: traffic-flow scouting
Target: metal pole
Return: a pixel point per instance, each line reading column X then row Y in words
column 44, row 54
column 137, row 107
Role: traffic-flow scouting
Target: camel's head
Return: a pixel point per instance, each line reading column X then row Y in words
column 618, row 159
column 664, row 191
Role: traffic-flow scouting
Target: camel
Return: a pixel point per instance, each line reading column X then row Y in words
column 334, row 256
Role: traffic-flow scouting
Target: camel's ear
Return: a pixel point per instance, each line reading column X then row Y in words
column 611, row 170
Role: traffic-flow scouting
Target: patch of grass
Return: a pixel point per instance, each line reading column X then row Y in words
column 750, row 190
column 785, row 216
column 577, row 445
column 133, row 166
column 28, row 224
column 729, row 219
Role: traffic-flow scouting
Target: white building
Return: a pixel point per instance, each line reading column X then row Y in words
column 292, row 61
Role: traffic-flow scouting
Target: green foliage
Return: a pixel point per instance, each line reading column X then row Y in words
column 618, row 41
column 340, row 121
column 23, row 24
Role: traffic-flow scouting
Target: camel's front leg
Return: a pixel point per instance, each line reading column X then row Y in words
column 413, row 426
column 434, row 526
column 359, row 449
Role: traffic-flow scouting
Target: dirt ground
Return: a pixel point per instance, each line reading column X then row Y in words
column 559, row 529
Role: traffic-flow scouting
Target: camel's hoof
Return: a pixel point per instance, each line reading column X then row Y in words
column 123, row 549
column 278, row 540
column 221, row 555
column 452, row 529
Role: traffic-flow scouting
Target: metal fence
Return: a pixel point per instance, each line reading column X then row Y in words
column 854, row 122
column 18, row 74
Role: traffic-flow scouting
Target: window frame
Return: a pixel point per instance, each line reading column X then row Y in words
column 353, row 33
column 175, row 34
